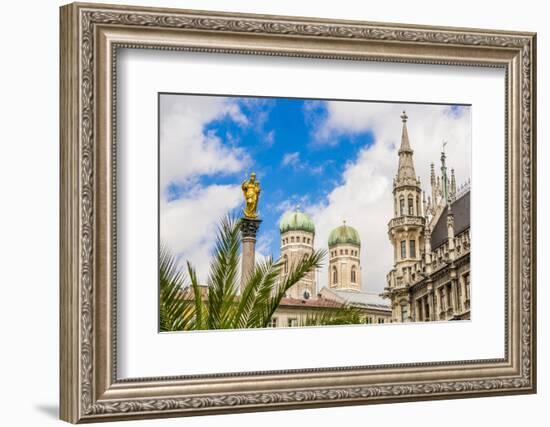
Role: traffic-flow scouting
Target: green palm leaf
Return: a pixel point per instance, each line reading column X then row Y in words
column 224, row 274
column 342, row 315
column 255, row 295
column 175, row 312
column 297, row 272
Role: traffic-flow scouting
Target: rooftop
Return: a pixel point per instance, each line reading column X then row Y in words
column 461, row 210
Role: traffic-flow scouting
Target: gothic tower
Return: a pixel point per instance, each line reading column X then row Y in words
column 344, row 268
column 406, row 228
column 297, row 238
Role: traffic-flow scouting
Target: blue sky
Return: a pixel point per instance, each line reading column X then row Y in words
column 335, row 159
column 292, row 168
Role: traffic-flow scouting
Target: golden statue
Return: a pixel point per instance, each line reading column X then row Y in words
column 251, row 192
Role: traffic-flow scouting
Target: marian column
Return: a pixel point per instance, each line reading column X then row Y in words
column 249, row 227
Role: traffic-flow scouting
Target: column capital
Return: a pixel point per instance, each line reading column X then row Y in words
column 249, row 227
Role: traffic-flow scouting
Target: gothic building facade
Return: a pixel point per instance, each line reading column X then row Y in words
column 430, row 278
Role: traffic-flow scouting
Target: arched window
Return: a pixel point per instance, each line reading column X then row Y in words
column 411, row 208
column 334, row 276
column 353, row 275
column 402, row 206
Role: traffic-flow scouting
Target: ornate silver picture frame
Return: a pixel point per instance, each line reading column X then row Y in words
column 91, row 36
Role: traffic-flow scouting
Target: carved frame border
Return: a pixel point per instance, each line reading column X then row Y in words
column 90, row 390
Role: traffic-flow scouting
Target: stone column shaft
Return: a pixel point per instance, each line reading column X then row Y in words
column 249, row 228
column 431, row 303
column 454, row 295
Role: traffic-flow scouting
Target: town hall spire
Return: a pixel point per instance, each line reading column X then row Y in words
column 406, row 228
column 405, row 171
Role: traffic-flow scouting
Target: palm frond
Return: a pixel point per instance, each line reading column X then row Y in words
column 224, row 274
column 342, row 315
column 200, row 309
column 297, row 272
column 175, row 312
column 256, row 294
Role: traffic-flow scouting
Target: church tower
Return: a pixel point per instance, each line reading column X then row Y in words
column 297, row 238
column 406, row 228
column 344, row 268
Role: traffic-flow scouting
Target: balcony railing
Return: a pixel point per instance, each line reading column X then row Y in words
column 406, row 220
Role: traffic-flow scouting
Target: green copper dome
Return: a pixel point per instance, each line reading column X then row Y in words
column 296, row 221
column 344, row 235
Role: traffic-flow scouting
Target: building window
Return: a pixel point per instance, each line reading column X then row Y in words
column 412, row 249
column 292, row 239
column 418, row 205
column 403, row 249
column 353, row 275
column 292, row 322
column 334, row 275
column 346, row 251
column 341, row 252
column 368, row 320
column 285, row 264
column 401, row 206
column 404, row 312
column 380, row 320
column 273, row 322
column 410, row 203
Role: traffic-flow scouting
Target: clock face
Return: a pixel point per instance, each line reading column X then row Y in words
column 306, row 294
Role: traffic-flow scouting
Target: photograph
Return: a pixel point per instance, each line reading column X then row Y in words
column 287, row 212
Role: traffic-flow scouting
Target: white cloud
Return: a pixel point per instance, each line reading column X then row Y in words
column 188, row 225
column 269, row 139
column 291, row 159
column 364, row 199
column 186, row 150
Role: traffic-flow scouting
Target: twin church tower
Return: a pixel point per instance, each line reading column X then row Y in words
column 297, row 240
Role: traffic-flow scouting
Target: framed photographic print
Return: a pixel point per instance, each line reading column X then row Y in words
column 266, row 212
